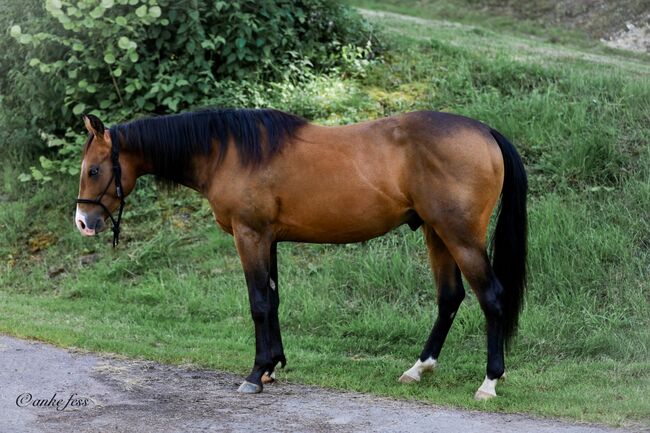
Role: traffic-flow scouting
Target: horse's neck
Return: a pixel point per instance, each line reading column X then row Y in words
column 190, row 177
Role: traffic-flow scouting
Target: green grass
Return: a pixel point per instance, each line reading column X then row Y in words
column 354, row 317
column 463, row 11
column 543, row 20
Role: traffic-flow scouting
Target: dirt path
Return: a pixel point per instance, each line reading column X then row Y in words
column 138, row 396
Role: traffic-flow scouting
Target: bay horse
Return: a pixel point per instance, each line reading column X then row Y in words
column 274, row 177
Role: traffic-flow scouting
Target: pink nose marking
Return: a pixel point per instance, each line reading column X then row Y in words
column 84, row 229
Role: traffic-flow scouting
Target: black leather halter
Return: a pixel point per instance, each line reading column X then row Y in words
column 117, row 177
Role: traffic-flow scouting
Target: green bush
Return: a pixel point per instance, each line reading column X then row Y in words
column 118, row 58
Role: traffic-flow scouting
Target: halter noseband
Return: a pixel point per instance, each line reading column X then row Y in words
column 117, row 176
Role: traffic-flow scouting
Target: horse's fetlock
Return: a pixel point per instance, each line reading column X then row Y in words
column 495, row 371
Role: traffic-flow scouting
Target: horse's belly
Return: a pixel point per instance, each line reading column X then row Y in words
column 336, row 234
column 343, row 219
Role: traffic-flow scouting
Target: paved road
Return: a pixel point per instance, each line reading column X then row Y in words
column 117, row 395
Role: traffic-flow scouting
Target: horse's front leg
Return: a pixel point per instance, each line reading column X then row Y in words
column 277, row 351
column 254, row 250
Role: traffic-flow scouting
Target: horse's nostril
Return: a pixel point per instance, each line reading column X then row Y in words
column 82, row 225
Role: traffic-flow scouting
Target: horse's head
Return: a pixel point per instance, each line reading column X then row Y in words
column 107, row 176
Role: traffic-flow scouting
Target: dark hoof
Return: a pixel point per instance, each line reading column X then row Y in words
column 249, row 388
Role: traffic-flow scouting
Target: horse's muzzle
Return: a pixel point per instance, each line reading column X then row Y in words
column 89, row 225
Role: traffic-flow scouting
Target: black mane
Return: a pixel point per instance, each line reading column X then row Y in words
column 170, row 142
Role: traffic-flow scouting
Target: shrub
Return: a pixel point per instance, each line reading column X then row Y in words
column 117, row 58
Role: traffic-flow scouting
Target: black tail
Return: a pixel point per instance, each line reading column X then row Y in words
column 510, row 238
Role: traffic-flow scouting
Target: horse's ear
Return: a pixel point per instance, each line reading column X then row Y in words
column 93, row 125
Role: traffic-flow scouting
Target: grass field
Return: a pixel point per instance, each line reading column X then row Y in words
column 354, row 317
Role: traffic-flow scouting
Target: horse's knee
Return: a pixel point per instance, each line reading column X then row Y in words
column 260, row 310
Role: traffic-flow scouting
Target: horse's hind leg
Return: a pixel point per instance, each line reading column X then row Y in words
column 450, row 295
column 475, row 266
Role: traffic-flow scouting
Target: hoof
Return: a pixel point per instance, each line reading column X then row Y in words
column 487, row 390
column 249, row 388
column 405, row 378
column 268, row 378
column 483, row 396
column 414, row 373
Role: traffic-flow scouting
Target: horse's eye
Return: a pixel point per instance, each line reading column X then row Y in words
column 93, row 171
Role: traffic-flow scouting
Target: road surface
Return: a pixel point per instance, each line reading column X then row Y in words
column 48, row 389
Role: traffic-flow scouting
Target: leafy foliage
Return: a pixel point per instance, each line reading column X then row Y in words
column 115, row 58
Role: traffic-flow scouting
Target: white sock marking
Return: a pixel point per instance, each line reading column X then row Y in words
column 488, row 387
column 420, row 367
